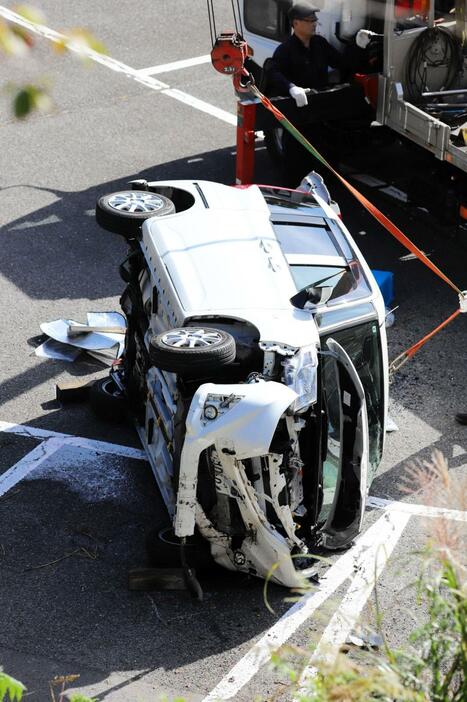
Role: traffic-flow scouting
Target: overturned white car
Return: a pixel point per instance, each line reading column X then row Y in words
column 255, row 366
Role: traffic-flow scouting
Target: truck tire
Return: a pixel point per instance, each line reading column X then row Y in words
column 192, row 350
column 124, row 212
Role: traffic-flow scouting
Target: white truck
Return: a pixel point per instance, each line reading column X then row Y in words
column 415, row 75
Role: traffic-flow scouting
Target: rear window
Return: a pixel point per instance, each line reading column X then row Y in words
column 296, row 239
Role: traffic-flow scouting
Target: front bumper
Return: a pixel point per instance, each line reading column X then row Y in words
column 237, row 423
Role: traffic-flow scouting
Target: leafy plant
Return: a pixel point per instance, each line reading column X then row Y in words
column 11, row 688
column 17, row 41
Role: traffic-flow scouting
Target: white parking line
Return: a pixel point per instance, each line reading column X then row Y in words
column 139, row 76
column 78, row 48
column 70, row 440
column 369, row 568
column 418, row 510
column 28, row 463
column 278, row 634
column 175, row 65
column 201, row 105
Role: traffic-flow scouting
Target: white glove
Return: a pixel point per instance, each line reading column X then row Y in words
column 463, row 301
column 299, row 95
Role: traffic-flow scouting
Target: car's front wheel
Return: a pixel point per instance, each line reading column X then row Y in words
column 192, row 350
column 124, row 212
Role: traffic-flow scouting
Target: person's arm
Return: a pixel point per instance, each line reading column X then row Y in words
column 280, row 69
column 336, row 60
column 278, row 76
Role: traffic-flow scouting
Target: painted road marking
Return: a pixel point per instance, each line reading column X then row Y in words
column 69, row 439
column 78, row 48
column 369, row 568
column 28, row 463
column 283, row 629
column 119, row 67
column 201, row 105
column 417, row 510
column 175, row 65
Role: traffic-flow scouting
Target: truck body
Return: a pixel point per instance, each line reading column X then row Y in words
column 416, row 72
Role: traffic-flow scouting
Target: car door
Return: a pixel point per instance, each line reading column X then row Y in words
column 345, row 460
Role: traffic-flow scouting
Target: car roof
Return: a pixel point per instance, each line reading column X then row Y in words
column 223, row 257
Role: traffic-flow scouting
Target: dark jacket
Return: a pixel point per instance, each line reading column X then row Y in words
column 294, row 64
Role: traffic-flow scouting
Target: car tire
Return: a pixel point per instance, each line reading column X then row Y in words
column 163, row 548
column 107, row 400
column 124, row 212
column 192, row 350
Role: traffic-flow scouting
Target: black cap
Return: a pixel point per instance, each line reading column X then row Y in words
column 302, row 10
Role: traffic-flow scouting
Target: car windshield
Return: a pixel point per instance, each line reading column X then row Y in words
column 338, row 278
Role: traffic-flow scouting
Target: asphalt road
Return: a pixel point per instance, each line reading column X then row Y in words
column 73, row 527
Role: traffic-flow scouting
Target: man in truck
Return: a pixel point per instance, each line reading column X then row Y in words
column 299, row 63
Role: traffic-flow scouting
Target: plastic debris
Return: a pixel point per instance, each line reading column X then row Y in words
column 65, row 344
column 412, row 256
column 364, row 638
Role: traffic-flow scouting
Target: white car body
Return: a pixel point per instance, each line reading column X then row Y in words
column 229, row 258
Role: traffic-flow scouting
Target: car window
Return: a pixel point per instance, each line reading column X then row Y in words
column 341, row 279
column 296, row 239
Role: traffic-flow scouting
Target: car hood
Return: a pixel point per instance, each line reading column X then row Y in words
column 223, row 258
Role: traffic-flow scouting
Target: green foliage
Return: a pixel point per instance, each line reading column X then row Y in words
column 30, row 98
column 10, row 689
column 17, row 41
column 439, row 666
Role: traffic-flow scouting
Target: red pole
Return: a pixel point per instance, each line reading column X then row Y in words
column 245, row 165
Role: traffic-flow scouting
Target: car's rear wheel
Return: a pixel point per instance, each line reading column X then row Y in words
column 107, row 399
column 192, row 350
column 163, row 548
column 124, row 212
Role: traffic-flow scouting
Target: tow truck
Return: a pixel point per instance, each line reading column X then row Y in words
column 413, row 60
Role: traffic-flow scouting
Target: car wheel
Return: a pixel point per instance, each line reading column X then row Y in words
column 273, row 139
column 124, row 212
column 192, row 350
column 107, row 400
column 163, row 548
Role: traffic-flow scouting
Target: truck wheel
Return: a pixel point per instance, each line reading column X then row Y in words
column 107, row 400
column 124, row 212
column 192, row 350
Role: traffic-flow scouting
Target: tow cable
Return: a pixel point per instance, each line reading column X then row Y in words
column 228, row 56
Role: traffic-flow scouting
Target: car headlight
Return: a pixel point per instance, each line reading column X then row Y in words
column 301, row 375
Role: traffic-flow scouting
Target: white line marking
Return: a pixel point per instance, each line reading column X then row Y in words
column 370, row 566
column 70, row 440
column 78, row 48
column 417, row 510
column 201, row 105
column 28, row 463
column 278, row 634
column 175, row 65
column 119, row 67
